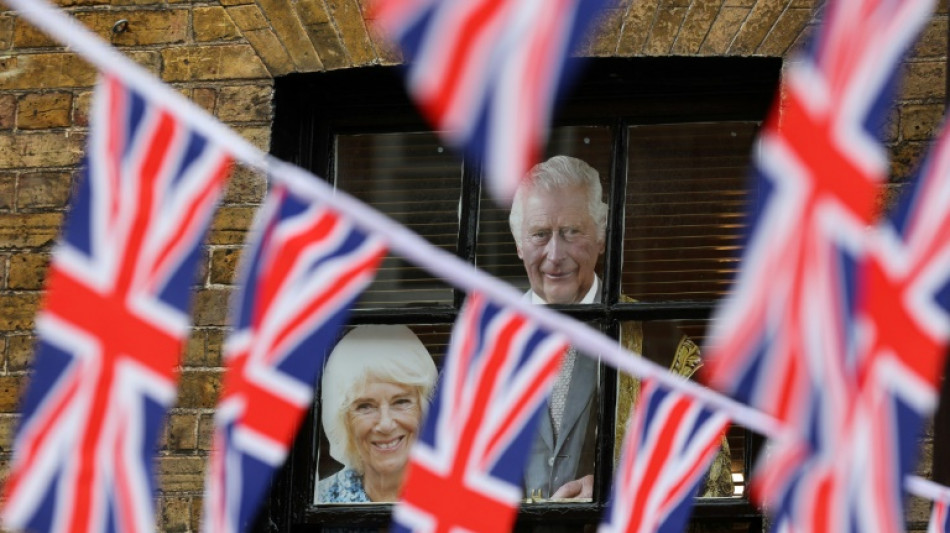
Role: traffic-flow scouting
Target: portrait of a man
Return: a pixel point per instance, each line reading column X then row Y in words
column 558, row 221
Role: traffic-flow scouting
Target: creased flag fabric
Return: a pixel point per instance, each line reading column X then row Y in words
column 850, row 469
column 114, row 320
column 939, row 518
column 466, row 468
column 670, row 443
column 791, row 338
column 305, row 266
column 817, row 173
column 904, row 312
column 487, row 73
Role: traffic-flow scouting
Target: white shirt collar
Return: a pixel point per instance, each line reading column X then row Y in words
column 589, row 298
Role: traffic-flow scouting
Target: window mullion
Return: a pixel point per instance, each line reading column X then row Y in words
column 468, row 218
column 613, row 260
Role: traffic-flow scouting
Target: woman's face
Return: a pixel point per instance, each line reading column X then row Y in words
column 383, row 421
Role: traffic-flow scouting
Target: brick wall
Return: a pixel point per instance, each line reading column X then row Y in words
column 224, row 55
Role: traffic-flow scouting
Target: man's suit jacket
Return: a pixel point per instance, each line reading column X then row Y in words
column 553, row 462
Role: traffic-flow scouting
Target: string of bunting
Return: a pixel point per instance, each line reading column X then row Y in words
column 397, row 237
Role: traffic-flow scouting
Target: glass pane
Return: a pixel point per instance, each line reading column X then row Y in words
column 374, row 393
column 417, row 182
column 496, row 252
column 686, row 194
column 675, row 345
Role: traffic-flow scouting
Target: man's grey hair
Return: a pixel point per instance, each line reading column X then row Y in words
column 555, row 173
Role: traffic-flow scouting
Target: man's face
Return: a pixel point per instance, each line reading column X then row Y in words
column 559, row 243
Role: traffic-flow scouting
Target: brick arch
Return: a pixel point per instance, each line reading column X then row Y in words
column 702, row 27
column 307, row 35
column 314, row 35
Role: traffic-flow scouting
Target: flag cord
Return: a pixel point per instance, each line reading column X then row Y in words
column 413, row 247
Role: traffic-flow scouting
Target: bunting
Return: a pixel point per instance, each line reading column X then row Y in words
column 114, row 320
column 816, row 178
column 939, row 518
column 904, row 325
column 306, row 265
column 671, row 440
column 103, row 380
column 792, row 339
column 465, row 471
column 487, row 73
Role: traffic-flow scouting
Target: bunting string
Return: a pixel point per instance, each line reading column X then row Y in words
column 397, row 237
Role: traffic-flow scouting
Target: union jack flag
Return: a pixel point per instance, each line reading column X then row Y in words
column 789, row 338
column 305, row 266
column 671, row 440
column 466, row 468
column 904, row 312
column 487, row 73
column 114, row 320
column 818, row 169
column 939, row 518
column 902, row 326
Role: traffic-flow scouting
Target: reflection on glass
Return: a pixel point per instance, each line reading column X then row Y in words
column 414, row 180
column 675, row 345
column 375, row 391
column 685, row 202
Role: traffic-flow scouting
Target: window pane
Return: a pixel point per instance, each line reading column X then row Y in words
column 496, row 251
column 686, row 194
column 413, row 179
column 674, row 345
column 374, row 393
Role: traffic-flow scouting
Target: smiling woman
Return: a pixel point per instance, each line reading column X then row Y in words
column 376, row 388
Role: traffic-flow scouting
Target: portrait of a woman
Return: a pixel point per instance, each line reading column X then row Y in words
column 376, row 389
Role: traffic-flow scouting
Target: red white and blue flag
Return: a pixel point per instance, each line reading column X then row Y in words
column 903, row 309
column 114, row 320
column 305, row 266
column 939, row 518
column 790, row 339
column 818, row 170
column 466, row 468
column 852, row 477
column 671, row 440
column 487, row 73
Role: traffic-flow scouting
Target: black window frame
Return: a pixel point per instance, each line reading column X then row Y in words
column 312, row 108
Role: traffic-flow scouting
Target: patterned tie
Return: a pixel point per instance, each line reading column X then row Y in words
column 561, row 386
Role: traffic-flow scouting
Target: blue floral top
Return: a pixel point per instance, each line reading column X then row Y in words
column 346, row 486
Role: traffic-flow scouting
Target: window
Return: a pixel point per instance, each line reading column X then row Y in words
column 670, row 138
